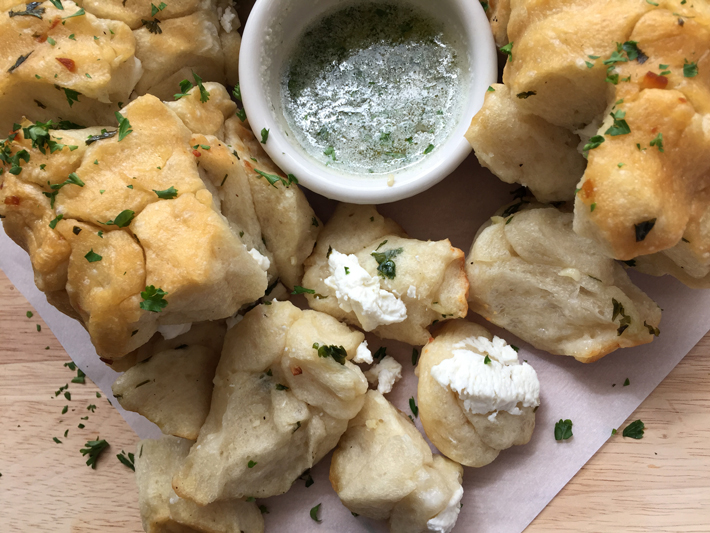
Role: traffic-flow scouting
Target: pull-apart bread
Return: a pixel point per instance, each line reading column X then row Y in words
column 384, row 469
column 531, row 274
column 629, row 81
column 81, row 61
column 475, row 397
column 150, row 224
column 162, row 511
column 367, row 271
column 284, row 391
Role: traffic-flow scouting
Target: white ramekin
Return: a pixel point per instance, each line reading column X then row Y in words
column 274, row 28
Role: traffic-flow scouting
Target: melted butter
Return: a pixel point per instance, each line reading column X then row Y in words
column 373, row 88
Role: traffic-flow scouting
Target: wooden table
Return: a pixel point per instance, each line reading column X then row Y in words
column 658, row 484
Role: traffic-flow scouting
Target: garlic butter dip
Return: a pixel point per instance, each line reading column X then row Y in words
column 374, row 88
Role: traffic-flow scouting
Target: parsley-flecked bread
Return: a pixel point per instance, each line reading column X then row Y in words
column 519, row 147
column 172, row 389
column 531, row 274
column 55, row 66
column 472, row 409
column 632, row 79
column 367, row 271
column 162, row 511
column 289, row 227
column 127, row 212
column 284, row 391
column 383, row 469
column 83, row 62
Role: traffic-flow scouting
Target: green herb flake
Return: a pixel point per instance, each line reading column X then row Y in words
column 168, row 194
column 620, row 126
column 123, row 219
column 124, row 126
column 429, row 149
column 487, row 360
column 413, row 407
column 563, row 430
column 251, row 464
column 94, row 449
column 658, row 142
column 415, row 357
column 508, row 50
column 93, row 257
column 79, row 13
column 338, row 353
column 634, row 430
column 128, row 460
column 65, row 409
column 386, row 265
column 593, row 143
column 153, row 299
column 690, row 70
column 314, row 513
column 264, row 135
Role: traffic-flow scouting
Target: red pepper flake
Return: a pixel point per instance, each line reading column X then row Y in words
column 588, row 189
column 196, row 153
column 683, row 100
column 41, row 38
column 654, row 81
column 107, row 361
column 12, row 200
column 68, row 63
column 55, row 22
column 296, row 371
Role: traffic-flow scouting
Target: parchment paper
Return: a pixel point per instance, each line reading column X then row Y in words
column 505, row 496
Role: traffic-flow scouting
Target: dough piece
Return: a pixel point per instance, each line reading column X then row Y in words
column 384, row 469
column 185, row 44
column 206, row 334
column 643, row 183
column 172, row 389
column 104, row 218
column 207, row 117
column 162, row 511
column 498, row 13
column 522, row 148
column 428, row 278
column 532, row 275
column 75, row 78
column 472, row 424
column 279, row 404
column 288, row 224
column 134, row 12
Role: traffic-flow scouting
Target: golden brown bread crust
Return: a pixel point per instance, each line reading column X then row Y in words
column 647, row 63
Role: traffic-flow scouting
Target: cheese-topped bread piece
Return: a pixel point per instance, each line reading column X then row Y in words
column 475, row 397
column 367, row 271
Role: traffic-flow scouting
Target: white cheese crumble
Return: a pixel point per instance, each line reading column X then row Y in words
column 359, row 292
column 227, row 19
column 573, row 273
column 445, row 521
column 261, row 260
column 483, row 388
column 386, row 373
column 170, row 332
column 363, row 354
column 412, row 292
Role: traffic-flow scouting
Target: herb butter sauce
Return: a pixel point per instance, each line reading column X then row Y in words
column 373, row 88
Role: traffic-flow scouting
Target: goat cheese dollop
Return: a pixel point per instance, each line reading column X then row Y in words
column 386, row 373
column 359, row 292
column 499, row 385
column 445, row 521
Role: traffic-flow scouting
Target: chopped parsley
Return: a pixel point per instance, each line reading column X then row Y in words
column 123, row 219
column 563, row 430
column 302, row 290
column 155, row 9
column 429, row 149
column 386, row 265
column 153, row 299
column 330, row 152
column 527, row 94
column 634, row 430
column 690, row 70
column 53, row 223
column 413, row 407
column 93, row 257
column 80, row 377
column 620, row 126
column 594, row 142
column 93, row 449
column 19, row 62
column 273, row 179
column 32, row 9
column 642, row 229
column 79, row 13
column 487, row 360
column 252, row 464
column 314, row 513
column 658, row 142
column 306, row 476
column 627, row 382
column 618, row 310
column 338, row 353
column 415, row 357
column 103, row 135
column 124, row 126
column 72, row 96
column 651, row 329
column 128, row 460
column 167, row 194
column 153, row 26
column 508, row 50
column 264, row 135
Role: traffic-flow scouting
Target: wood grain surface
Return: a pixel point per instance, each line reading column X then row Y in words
column 658, row 484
